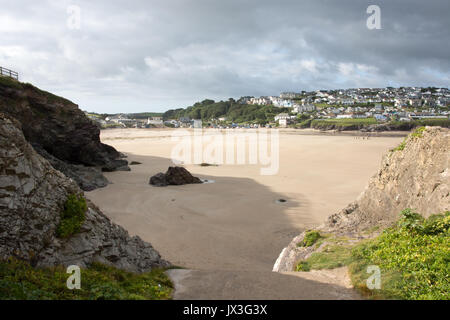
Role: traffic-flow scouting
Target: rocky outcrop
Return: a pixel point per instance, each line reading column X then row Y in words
column 87, row 178
column 415, row 176
column 32, row 196
column 61, row 129
column 173, row 176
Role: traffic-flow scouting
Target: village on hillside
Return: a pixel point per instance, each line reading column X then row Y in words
column 403, row 104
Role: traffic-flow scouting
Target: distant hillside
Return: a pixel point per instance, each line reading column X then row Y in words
column 140, row 115
column 230, row 109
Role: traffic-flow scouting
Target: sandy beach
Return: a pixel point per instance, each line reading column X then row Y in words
column 236, row 222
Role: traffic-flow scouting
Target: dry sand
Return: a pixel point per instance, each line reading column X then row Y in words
column 235, row 223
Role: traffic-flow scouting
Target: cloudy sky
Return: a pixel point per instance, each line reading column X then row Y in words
column 133, row 56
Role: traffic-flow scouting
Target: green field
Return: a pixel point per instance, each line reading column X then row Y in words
column 342, row 124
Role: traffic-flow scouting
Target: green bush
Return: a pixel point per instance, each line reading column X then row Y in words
column 310, row 238
column 303, row 266
column 20, row 281
column 418, row 132
column 72, row 217
column 414, row 258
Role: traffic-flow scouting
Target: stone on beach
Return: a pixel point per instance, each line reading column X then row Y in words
column 174, row 176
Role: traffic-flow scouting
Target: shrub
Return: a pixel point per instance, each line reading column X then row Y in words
column 310, row 238
column 303, row 266
column 418, row 132
column 72, row 217
column 414, row 258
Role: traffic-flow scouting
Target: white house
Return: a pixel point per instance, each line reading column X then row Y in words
column 283, row 119
column 197, row 124
column 155, row 120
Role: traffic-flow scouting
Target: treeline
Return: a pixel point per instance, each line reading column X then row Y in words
column 230, row 109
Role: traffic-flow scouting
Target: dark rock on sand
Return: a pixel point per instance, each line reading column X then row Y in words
column 173, row 176
column 116, row 165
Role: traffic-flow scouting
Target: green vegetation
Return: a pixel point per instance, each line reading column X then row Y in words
column 144, row 115
column 342, row 124
column 310, row 238
column 72, row 216
column 13, row 83
column 20, row 281
column 332, row 256
column 417, row 133
column 304, row 124
column 51, row 98
column 231, row 110
column 10, row 82
column 401, row 146
column 413, row 256
column 404, row 125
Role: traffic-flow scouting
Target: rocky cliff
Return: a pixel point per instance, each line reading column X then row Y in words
column 414, row 175
column 61, row 132
column 32, row 197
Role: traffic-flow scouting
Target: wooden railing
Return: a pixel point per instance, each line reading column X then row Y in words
column 9, row 73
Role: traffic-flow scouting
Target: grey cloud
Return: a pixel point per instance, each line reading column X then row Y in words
column 153, row 55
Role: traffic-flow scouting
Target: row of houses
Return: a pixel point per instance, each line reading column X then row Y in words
column 400, row 97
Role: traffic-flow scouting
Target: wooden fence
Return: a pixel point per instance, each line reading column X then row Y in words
column 9, row 73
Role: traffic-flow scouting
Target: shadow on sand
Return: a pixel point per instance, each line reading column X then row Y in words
column 229, row 233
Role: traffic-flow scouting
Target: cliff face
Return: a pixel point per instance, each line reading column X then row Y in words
column 56, row 125
column 32, row 196
column 415, row 175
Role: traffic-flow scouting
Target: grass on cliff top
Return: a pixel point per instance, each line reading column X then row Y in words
column 10, row 82
column 20, row 281
column 13, row 83
column 72, row 217
column 413, row 257
column 417, row 133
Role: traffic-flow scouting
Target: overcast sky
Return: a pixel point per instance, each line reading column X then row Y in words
column 134, row 56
